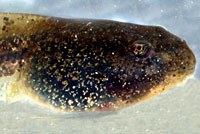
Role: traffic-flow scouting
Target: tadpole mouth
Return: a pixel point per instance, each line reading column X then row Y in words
column 189, row 60
column 183, row 64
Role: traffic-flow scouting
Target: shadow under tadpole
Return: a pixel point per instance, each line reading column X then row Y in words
column 75, row 115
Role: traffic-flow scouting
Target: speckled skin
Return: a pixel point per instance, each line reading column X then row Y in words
column 90, row 65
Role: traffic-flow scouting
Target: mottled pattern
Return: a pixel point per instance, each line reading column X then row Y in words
column 90, row 65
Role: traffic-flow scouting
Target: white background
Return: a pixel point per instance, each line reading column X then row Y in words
column 177, row 111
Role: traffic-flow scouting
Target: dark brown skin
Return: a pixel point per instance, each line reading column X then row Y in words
column 90, row 65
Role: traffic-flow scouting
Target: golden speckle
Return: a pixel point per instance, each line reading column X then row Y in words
column 70, row 102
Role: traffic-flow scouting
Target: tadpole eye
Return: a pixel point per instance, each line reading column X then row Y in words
column 141, row 49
